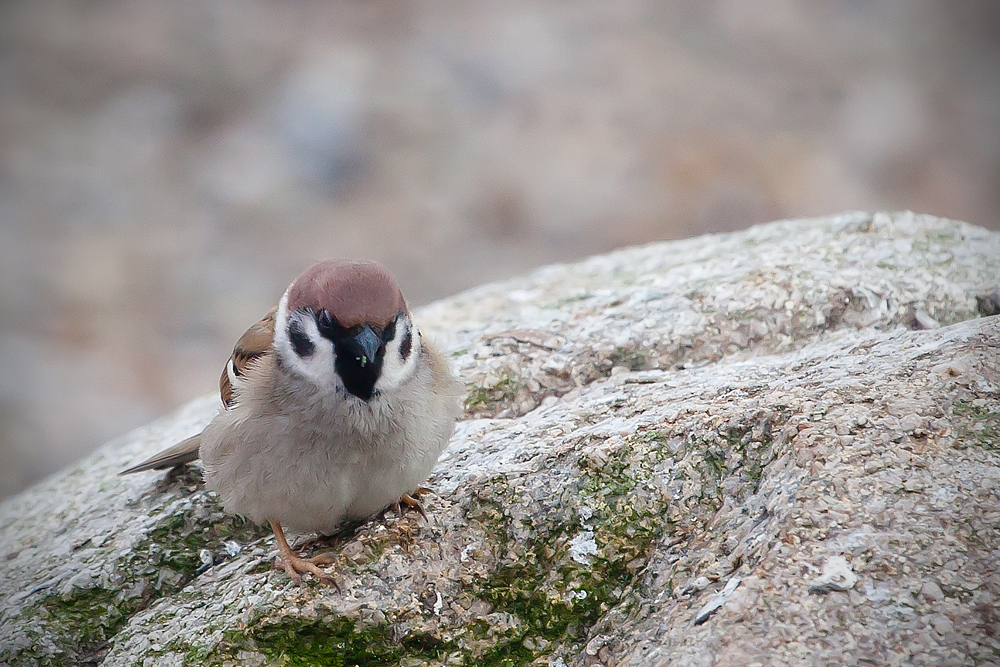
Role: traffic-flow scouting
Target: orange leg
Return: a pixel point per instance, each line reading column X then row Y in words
column 293, row 564
column 411, row 501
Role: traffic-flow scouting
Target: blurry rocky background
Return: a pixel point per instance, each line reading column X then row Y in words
column 167, row 168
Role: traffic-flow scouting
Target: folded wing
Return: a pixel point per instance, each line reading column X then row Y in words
column 252, row 345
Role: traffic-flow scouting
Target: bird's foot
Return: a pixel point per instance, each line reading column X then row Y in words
column 411, row 501
column 295, row 565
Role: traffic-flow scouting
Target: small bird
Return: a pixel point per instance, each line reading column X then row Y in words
column 335, row 409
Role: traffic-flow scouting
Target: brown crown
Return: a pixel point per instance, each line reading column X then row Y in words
column 353, row 292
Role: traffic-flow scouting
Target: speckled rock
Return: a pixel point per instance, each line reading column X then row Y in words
column 780, row 446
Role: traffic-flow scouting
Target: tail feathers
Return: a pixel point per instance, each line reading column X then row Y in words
column 181, row 453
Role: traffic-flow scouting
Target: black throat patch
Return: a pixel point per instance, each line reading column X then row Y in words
column 358, row 368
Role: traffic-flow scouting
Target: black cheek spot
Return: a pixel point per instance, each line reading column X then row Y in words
column 300, row 341
column 405, row 345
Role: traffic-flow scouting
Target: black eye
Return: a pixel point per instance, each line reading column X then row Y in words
column 328, row 326
column 300, row 341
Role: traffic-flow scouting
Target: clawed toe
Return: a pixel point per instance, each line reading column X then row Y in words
column 408, row 500
column 411, row 502
column 322, row 559
column 295, row 566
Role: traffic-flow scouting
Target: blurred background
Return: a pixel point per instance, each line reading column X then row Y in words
column 166, row 168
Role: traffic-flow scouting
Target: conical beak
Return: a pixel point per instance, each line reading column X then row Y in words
column 369, row 343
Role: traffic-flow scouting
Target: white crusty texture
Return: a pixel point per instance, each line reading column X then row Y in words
column 795, row 419
column 770, row 289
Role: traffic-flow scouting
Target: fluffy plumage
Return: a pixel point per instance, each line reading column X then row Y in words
column 334, row 407
column 339, row 459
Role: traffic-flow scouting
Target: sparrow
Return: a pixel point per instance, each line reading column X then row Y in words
column 335, row 408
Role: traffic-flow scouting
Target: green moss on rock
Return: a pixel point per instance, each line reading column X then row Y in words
column 78, row 627
column 555, row 590
column 632, row 358
column 328, row 641
column 334, row 642
column 614, row 504
column 980, row 423
column 176, row 542
column 480, row 399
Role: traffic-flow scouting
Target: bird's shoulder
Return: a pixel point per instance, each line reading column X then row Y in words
column 442, row 379
column 255, row 343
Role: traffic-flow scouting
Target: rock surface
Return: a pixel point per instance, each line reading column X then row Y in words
column 780, row 446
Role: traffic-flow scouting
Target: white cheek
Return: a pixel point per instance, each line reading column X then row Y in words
column 318, row 366
column 396, row 371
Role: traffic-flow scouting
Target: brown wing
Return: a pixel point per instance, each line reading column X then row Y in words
column 252, row 345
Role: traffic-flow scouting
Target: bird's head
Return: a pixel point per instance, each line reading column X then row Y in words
column 346, row 324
